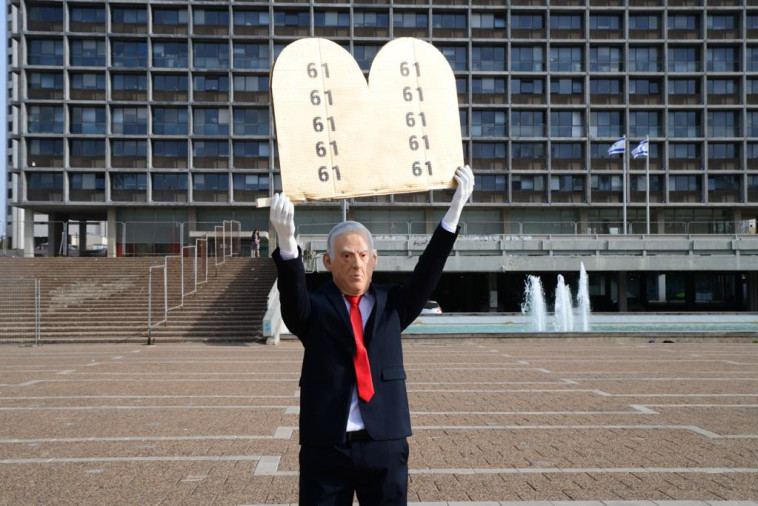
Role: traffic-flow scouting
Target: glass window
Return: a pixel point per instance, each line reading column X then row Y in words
column 332, row 19
column 449, row 21
column 292, row 19
column 723, row 150
column 752, row 123
column 722, row 22
column 605, row 22
column 170, row 17
column 251, row 149
column 366, row 19
column 131, row 148
column 126, row 181
column 684, row 59
column 527, row 59
column 169, row 181
column 170, row 54
column 203, row 83
column 723, row 123
column 410, row 20
column 210, row 182
column 724, row 182
column 210, row 149
column 251, row 122
column 684, row 183
column 528, row 86
column 606, row 183
column 170, row 149
column 527, row 124
column 645, row 123
column 211, row 122
column 488, row 58
column 606, row 87
column 128, row 53
column 522, row 150
column 684, row 151
column 45, row 119
column 44, row 180
column 644, row 87
column 88, row 147
column 171, row 83
column 251, row 56
column 606, row 124
column 87, row 14
column 46, row 52
column 87, row 81
column 129, row 16
column 251, row 182
column 210, row 17
column 87, row 120
column 684, row 22
column 566, row 124
column 683, row 87
column 752, row 58
column 527, row 22
column 573, row 150
column 251, row 18
column 644, row 59
column 456, row 57
column 566, row 59
column 129, row 82
column 489, row 150
column 523, row 182
column 211, row 55
column 722, row 87
column 723, row 59
column 251, row 83
column 606, row 59
column 487, row 20
column 488, row 123
column 170, row 121
column 751, row 22
column 129, row 120
column 643, row 22
column 567, row 183
column 45, row 13
column 87, row 181
column 490, row 182
column 491, row 85
column 684, row 124
column 45, row 80
column 565, row 22
column 87, row 53
column 45, row 147
column 364, row 55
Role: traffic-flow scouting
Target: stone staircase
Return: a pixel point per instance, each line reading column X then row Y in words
column 105, row 300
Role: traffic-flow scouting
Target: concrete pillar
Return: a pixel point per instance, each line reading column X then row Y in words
column 82, row 236
column 662, row 287
column 29, row 233
column 112, row 232
column 56, row 243
column 623, row 306
column 492, row 282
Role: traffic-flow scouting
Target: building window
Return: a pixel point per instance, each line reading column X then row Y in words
column 527, row 22
column 644, row 22
column 567, row 183
column 251, row 56
column 723, row 59
column 87, row 53
column 129, row 120
column 250, row 183
column 684, row 183
column 684, row 87
column 752, row 59
column 527, row 124
column 606, row 59
column 606, row 87
column 566, row 59
column 129, row 149
column 251, row 122
column 44, row 186
column 169, row 182
column 170, row 54
column 645, row 123
column 684, row 59
column 723, row 124
column 87, row 181
column 723, row 87
column 169, row 83
column 488, row 58
column 684, row 22
column 723, row 150
column 210, row 182
column 567, row 151
column 449, row 21
column 487, row 21
column 129, row 82
column 129, row 16
column 488, row 85
column 644, row 59
column 605, row 22
column 489, row 150
column 88, row 148
column 44, row 13
column 204, row 83
column 87, row 81
column 367, row 19
column 170, row 17
column 251, row 149
column 490, row 182
column 523, row 182
column 45, row 80
column 565, row 22
column 684, row 124
column 45, row 147
column 126, row 181
column 527, row 59
column 410, row 20
column 211, row 122
column 331, row 19
column 607, row 183
column 644, row 87
column 684, row 151
column 251, row 84
column 606, row 124
column 364, row 55
column 45, row 119
column 528, row 150
column 566, row 124
column 456, row 57
column 488, row 123
column 722, row 22
column 47, row 52
column 170, row 121
column 528, row 86
column 251, row 18
column 128, row 53
column 752, row 124
column 210, row 149
column 210, row 17
column 170, row 149
column 211, row 55
column 292, row 19
column 87, row 15
column 87, row 120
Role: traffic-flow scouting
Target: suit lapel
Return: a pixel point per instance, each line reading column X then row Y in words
column 380, row 301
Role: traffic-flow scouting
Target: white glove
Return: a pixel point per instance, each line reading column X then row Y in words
column 465, row 179
column 282, row 216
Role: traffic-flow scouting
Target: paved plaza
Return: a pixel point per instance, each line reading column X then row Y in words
column 494, row 421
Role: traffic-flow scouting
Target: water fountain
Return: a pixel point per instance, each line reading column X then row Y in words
column 563, row 319
column 583, row 299
column 534, row 303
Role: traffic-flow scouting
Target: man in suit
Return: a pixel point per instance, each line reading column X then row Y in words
column 354, row 416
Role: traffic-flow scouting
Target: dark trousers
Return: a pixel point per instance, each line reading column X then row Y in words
column 377, row 471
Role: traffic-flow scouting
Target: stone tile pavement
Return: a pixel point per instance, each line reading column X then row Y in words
column 541, row 424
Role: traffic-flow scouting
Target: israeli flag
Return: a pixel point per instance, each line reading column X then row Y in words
column 618, row 147
column 641, row 149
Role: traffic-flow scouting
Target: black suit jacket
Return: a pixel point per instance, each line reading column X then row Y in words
column 322, row 323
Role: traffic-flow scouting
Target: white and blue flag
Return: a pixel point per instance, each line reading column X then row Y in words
column 618, row 147
column 641, row 149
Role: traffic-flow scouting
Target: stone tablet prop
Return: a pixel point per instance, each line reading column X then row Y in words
column 340, row 138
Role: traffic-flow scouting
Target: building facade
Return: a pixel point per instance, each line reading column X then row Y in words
column 134, row 112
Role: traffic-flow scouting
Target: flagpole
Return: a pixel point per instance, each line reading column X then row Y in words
column 625, row 160
column 647, row 187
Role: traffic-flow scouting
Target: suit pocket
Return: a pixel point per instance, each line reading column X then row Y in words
column 393, row 373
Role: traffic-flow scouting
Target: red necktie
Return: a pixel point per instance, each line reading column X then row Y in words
column 360, row 360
